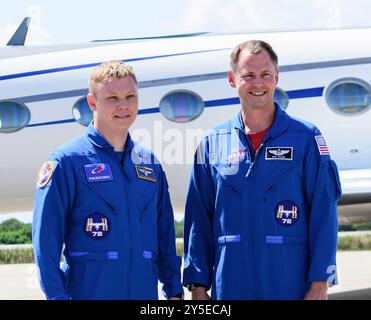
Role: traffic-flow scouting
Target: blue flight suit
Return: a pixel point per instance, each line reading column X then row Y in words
column 113, row 220
column 262, row 226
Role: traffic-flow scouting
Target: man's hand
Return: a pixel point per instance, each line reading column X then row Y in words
column 200, row 293
column 317, row 291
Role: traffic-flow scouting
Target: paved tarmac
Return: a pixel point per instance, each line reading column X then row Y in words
column 19, row 281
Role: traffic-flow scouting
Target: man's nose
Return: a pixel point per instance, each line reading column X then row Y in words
column 258, row 81
column 122, row 104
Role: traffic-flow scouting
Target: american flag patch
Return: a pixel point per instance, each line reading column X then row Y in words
column 322, row 146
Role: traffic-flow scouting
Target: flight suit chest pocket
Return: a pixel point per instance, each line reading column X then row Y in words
column 143, row 192
column 233, row 175
column 280, row 173
column 100, row 189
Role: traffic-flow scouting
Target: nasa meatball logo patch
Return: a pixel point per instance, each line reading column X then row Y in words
column 236, row 156
column 45, row 173
column 279, row 153
column 98, row 172
column 96, row 225
column 286, row 213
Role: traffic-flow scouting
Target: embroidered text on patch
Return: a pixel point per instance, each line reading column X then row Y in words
column 279, row 153
column 98, row 172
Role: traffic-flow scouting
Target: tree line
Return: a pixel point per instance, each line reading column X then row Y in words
column 13, row 231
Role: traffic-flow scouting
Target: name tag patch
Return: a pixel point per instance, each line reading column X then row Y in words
column 96, row 225
column 98, row 172
column 279, row 153
column 145, row 173
column 286, row 213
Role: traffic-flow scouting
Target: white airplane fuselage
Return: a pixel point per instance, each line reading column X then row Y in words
column 49, row 81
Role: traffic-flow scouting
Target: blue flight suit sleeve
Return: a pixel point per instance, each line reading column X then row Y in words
column 323, row 190
column 198, row 222
column 168, row 262
column 51, row 205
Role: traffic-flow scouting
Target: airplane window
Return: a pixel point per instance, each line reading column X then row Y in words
column 14, row 116
column 181, row 106
column 82, row 112
column 349, row 96
column 281, row 97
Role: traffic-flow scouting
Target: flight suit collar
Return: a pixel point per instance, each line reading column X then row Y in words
column 97, row 139
column 280, row 123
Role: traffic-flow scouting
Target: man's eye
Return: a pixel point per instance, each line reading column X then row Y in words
column 130, row 96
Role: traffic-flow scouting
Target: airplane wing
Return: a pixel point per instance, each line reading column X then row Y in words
column 356, row 186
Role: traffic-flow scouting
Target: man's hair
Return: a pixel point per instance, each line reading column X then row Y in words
column 110, row 70
column 252, row 47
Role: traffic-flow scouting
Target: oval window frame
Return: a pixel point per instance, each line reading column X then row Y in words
column 185, row 91
column 24, row 107
column 284, row 93
column 73, row 107
column 340, row 81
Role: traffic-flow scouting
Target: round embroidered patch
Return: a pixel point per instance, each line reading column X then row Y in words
column 96, row 225
column 236, row 156
column 286, row 213
column 45, row 173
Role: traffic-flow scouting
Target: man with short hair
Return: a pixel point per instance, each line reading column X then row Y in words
column 104, row 198
column 261, row 210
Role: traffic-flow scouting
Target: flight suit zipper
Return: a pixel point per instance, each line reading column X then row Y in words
column 249, row 170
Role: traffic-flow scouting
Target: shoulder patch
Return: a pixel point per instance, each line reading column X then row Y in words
column 45, row 173
column 322, row 146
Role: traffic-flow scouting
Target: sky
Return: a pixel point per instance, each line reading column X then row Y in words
column 75, row 21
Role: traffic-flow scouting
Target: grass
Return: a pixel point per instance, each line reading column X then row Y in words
column 355, row 226
column 16, row 255
column 179, row 249
column 354, row 243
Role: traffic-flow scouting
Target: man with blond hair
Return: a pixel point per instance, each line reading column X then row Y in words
column 103, row 199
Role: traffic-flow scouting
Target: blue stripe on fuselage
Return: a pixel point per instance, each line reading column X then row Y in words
column 293, row 94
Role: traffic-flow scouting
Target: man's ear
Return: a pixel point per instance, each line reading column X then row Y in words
column 231, row 78
column 91, row 101
column 277, row 76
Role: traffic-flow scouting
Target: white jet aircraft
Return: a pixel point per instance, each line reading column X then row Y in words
column 324, row 78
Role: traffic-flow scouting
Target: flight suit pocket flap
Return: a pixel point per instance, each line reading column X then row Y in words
column 232, row 175
column 100, row 189
column 145, row 196
column 272, row 179
column 286, row 239
column 77, row 256
column 229, row 239
column 149, row 255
